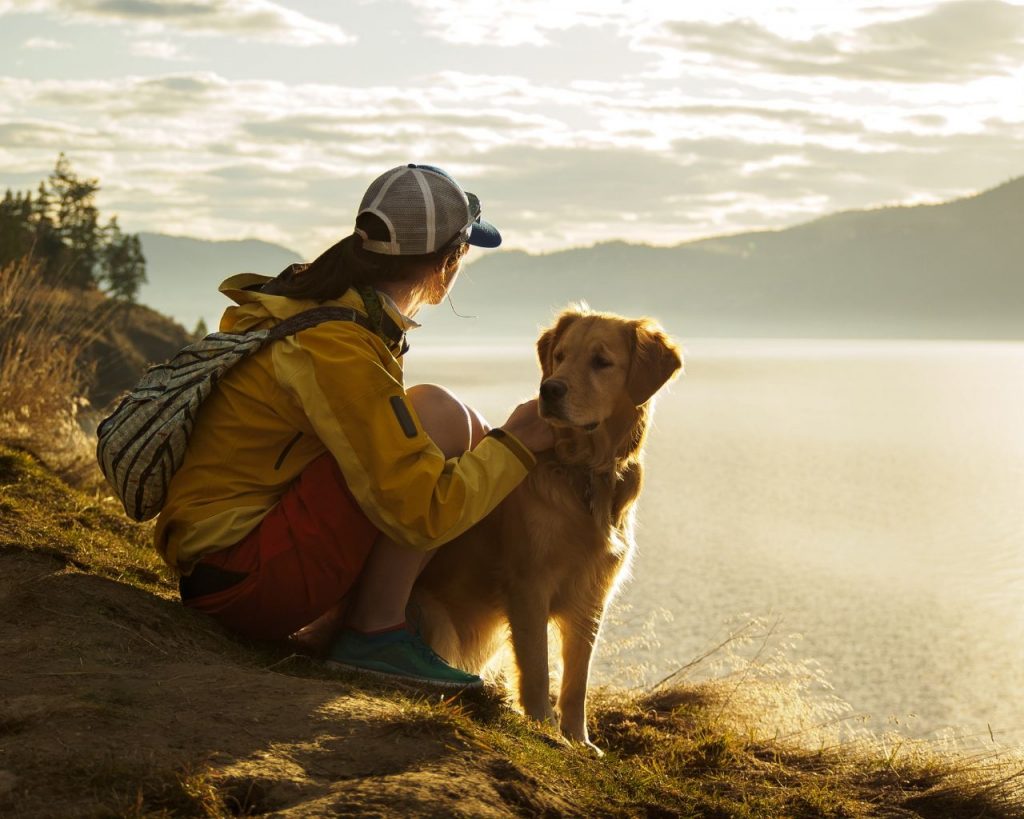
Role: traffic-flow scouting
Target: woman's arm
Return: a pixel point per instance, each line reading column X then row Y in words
column 398, row 476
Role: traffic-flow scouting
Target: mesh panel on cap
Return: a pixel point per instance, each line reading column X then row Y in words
column 421, row 224
column 405, row 204
column 451, row 207
column 374, row 190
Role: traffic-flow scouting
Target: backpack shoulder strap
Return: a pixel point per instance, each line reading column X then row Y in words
column 386, row 328
column 311, row 318
column 391, row 332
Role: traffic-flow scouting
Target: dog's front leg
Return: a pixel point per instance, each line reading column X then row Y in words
column 579, row 633
column 528, row 621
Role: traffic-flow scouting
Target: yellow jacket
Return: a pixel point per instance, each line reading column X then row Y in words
column 334, row 387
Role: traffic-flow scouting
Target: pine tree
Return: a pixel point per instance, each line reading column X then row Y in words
column 15, row 234
column 60, row 228
column 76, row 220
column 123, row 265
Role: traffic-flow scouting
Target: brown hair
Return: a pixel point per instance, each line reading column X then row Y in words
column 346, row 264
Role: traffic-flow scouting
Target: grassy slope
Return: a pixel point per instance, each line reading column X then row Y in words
column 116, row 700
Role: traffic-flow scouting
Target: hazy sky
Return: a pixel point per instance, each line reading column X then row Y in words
column 574, row 120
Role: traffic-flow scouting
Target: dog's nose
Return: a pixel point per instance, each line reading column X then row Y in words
column 553, row 389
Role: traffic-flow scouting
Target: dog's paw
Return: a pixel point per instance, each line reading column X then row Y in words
column 543, row 714
column 583, row 743
column 579, row 738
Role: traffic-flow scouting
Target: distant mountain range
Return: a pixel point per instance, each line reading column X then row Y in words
column 954, row 270
column 183, row 273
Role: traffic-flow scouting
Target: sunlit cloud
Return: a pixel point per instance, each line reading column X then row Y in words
column 261, row 20
column 159, row 50
column 45, row 44
column 525, row 22
column 814, row 111
column 954, row 41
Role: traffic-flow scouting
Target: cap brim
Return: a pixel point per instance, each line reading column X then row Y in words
column 484, row 234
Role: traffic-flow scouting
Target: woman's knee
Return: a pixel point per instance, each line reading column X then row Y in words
column 478, row 426
column 444, row 417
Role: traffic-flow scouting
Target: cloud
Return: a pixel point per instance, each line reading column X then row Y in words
column 401, row 132
column 524, row 22
column 200, row 153
column 54, row 136
column 953, row 41
column 158, row 50
column 45, row 44
column 174, row 96
column 260, row 20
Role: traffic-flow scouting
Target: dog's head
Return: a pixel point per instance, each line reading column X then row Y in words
column 598, row 368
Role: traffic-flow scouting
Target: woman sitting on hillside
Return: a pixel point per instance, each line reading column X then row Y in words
column 312, row 476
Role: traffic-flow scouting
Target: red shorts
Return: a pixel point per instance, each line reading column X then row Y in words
column 298, row 563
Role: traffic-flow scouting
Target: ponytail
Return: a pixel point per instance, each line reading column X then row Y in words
column 347, row 264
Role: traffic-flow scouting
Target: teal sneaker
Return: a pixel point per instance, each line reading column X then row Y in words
column 397, row 655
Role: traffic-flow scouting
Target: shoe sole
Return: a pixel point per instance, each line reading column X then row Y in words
column 421, row 682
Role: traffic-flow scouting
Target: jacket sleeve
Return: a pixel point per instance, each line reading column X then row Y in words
column 396, row 473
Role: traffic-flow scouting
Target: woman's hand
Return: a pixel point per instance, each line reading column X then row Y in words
column 527, row 425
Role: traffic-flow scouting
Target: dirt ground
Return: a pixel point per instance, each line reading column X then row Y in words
column 116, row 702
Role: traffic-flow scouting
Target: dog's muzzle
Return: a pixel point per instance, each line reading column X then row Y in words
column 553, row 390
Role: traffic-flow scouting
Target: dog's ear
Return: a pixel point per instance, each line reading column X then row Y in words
column 655, row 360
column 546, row 342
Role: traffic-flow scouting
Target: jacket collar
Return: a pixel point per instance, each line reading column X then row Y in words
column 254, row 310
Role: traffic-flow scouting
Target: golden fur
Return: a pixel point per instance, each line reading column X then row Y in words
column 558, row 546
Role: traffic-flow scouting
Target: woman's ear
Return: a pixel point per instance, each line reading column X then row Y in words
column 452, row 263
column 656, row 359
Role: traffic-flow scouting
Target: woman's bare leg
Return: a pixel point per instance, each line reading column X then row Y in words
column 382, row 592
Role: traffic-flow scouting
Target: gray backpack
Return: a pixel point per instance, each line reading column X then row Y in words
column 142, row 443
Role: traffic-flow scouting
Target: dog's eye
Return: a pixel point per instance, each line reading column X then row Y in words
column 599, row 362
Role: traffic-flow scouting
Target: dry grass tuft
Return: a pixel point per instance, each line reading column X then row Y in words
column 764, row 734
column 143, row 787
column 42, row 332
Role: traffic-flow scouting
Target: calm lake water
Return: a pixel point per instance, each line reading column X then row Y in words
column 868, row 496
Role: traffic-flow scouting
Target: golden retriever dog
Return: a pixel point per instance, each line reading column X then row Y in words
column 558, row 546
